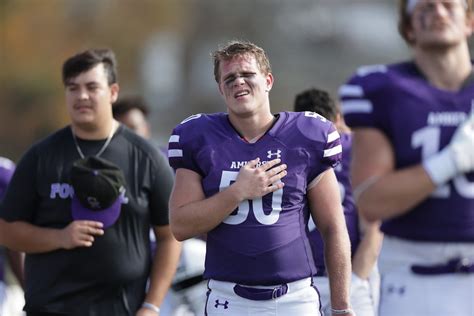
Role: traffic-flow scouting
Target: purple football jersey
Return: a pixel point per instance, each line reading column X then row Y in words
column 7, row 167
column 264, row 241
column 348, row 203
column 419, row 120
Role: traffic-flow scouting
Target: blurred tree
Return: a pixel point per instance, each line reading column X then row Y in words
column 37, row 35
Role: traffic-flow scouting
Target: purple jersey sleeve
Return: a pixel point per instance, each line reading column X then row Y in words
column 348, row 203
column 183, row 141
column 7, row 167
column 264, row 241
column 418, row 120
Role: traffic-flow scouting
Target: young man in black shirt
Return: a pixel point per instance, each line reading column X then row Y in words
column 79, row 266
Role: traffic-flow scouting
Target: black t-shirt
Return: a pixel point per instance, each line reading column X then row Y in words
column 40, row 193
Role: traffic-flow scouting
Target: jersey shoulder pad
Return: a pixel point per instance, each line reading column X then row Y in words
column 365, row 80
column 320, row 137
column 313, row 126
column 372, row 79
column 194, row 126
column 190, row 136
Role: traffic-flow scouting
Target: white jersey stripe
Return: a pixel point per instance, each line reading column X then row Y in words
column 333, row 136
column 356, row 106
column 370, row 69
column 174, row 139
column 349, row 90
column 175, row 153
column 333, row 151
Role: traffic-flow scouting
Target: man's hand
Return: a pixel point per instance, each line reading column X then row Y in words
column 256, row 181
column 462, row 146
column 80, row 234
column 456, row 158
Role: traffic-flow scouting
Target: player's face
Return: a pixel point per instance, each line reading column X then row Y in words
column 244, row 87
column 136, row 121
column 89, row 98
column 439, row 23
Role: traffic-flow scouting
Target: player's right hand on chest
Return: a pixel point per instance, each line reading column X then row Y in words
column 256, row 180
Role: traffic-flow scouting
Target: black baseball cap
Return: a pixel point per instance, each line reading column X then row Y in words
column 98, row 185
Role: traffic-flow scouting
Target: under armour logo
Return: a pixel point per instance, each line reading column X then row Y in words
column 221, row 304
column 392, row 289
column 271, row 154
column 93, row 202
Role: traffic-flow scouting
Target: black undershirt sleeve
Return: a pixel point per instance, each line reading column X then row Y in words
column 161, row 190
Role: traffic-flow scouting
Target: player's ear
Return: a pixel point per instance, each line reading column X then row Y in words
column 220, row 89
column 469, row 24
column 410, row 35
column 114, row 90
column 269, row 81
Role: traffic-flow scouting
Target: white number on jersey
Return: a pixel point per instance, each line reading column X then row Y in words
column 244, row 207
column 315, row 115
column 190, row 118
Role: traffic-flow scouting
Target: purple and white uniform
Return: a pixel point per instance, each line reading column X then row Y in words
column 7, row 168
column 362, row 300
column 425, row 248
column 264, row 241
column 419, row 120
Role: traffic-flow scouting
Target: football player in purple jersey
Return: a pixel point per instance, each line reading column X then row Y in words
column 250, row 180
column 413, row 160
column 365, row 237
column 132, row 111
column 187, row 293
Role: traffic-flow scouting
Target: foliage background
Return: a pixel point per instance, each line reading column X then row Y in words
column 163, row 49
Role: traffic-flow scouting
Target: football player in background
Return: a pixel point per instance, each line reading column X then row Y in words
column 187, row 293
column 250, row 179
column 413, row 160
column 365, row 238
column 11, row 291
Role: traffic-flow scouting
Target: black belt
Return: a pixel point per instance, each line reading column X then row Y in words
column 457, row 265
column 320, row 272
column 256, row 294
column 184, row 284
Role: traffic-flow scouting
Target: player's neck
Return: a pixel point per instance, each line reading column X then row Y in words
column 445, row 69
column 254, row 127
column 92, row 132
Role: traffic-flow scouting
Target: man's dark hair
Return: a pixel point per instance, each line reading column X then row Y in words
column 125, row 104
column 318, row 101
column 87, row 60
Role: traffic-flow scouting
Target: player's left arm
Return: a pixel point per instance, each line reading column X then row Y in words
column 326, row 209
column 365, row 257
column 163, row 268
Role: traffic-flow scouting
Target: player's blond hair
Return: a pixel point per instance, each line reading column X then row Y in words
column 240, row 48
